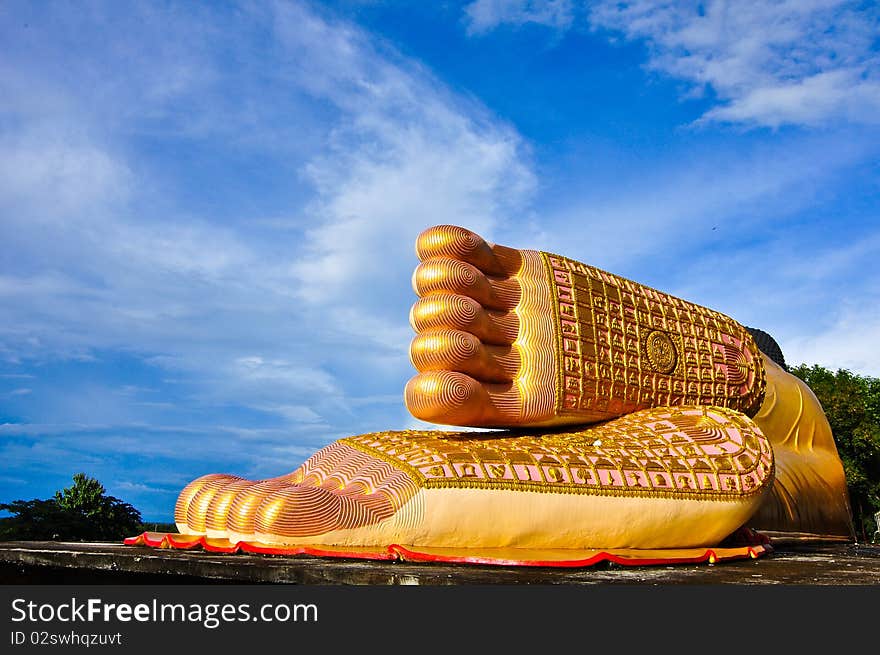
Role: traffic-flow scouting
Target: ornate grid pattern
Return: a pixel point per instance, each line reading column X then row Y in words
column 692, row 452
column 623, row 346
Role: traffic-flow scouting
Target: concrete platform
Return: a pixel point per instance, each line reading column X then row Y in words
column 107, row 563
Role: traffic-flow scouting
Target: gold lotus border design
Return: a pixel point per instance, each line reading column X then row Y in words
column 618, row 458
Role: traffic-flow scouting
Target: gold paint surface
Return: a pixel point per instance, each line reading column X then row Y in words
column 809, row 496
column 703, row 453
column 535, row 382
column 623, row 346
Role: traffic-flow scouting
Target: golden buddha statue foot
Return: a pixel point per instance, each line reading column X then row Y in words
column 521, row 338
column 659, row 478
column 685, row 431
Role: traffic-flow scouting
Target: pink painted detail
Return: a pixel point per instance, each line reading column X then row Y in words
column 499, row 471
column 581, row 475
column 611, row 478
column 527, row 472
column 729, row 482
column 556, row 473
column 426, row 460
column 636, row 479
column 735, row 438
column 685, row 481
column 662, row 480
column 468, row 470
column 437, row 471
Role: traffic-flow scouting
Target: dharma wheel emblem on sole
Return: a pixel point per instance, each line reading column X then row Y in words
column 661, row 352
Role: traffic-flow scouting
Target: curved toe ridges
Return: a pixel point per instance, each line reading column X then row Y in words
column 456, row 350
column 455, row 312
column 450, row 241
column 184, row 507
column 244, row 506
column 217, row 513
column 446, row 397
column 458, row 277
column 299, row 512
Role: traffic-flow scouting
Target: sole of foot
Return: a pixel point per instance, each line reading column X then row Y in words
column 513, row 338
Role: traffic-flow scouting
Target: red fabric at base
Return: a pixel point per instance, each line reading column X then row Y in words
column 748, row 544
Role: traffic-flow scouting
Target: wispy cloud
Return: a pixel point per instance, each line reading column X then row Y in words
column 485, row 15
column 849, row 342
column 768, row 63
column 761, row 63
column 751, row 230
column 135, row 188
column 725, row 225
column 813, row 289
column 105, row 263
column 405, row 154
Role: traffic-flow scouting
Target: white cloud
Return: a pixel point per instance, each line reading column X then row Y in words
column 138, row 486
column 293, row 413
column 747, row 228
column 105, row 250
column 405, row 154
column 292, row 376
column 809, row 101
column 76, row 172
column 849, row 343
column 812, row 289
column 769, row 63
column 766, row 63
column 485, row 15
column 765, row 231
column 128, row 229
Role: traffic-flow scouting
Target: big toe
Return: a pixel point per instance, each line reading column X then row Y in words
column 456, row 242
column 192, row 503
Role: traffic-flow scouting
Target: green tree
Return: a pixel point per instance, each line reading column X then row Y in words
column 81, row 512
column 852, row 405
column 34, row 520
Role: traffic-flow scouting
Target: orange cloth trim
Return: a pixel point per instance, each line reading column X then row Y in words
column 552, row 557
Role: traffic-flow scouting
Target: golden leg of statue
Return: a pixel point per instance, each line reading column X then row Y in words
column 809, row 497
column 523, row 339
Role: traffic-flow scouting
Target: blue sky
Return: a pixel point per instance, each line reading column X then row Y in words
column 208, row 209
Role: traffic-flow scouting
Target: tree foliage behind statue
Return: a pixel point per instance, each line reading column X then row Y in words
column 852, row 405
column 81, row 512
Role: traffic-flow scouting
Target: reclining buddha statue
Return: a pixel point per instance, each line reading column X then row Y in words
column 612, row 416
